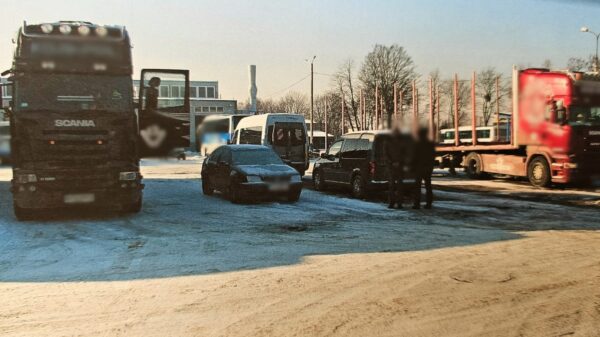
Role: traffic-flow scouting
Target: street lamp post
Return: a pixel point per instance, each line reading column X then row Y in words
column 587, row 30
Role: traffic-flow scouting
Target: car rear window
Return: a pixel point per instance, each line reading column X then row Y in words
column 256, row 157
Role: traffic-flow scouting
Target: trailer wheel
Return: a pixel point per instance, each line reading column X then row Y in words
column 474, row 166
column 538, row 172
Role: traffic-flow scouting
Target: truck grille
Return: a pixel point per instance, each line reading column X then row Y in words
column 74, row 148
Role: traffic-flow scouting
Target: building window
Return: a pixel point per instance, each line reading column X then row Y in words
column 210, row 92
column 164, row 91
column 181, row 91
column 205, row 109
column 193, row 92
column 202, row 92
column 213, row 109
column 175, row 91
column 198, row 109
column 219, row 109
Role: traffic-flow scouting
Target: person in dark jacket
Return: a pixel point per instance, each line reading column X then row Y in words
column 152, row 93
column 423, row 160
column 395, row 154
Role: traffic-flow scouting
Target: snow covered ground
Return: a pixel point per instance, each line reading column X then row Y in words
column 182, row 232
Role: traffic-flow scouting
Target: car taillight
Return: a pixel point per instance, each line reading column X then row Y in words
column 372, row 167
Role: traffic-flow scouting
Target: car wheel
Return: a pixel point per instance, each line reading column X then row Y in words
column 318, row 182
column 358, row 187
column 206, row 188
column 294, row 196
column 234, row 194
column 538, row 172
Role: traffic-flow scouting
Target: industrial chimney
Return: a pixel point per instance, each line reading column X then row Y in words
column 253, row 89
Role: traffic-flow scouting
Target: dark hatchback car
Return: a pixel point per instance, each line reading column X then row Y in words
column 357, row 160
column 249, row 171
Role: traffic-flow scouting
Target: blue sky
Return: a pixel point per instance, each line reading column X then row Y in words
column 217, row 39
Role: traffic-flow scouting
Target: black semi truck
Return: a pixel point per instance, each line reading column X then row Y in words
column 75, row 128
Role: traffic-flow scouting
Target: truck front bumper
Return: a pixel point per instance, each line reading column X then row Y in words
column 39, row 196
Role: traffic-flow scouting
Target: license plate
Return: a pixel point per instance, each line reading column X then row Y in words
column 279, row 187
column 82, row 198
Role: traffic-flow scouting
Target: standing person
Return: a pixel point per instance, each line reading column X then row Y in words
column 152, row 93
column 394, row 155
column 423, row 159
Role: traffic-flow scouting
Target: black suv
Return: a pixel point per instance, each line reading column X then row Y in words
column 356, row 160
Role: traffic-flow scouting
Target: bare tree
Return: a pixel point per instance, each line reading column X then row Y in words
column 580, row 63
column 294, row 102
column 267, row 105
column 547, row 64
column 345, row 83
column 486, row 92
column 383, row 67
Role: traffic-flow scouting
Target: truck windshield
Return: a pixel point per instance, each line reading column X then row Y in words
column 584, row 115
column 73, row 92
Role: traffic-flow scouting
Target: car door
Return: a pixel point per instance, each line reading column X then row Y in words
column 223, row 168
column 163, row 111
column 331, row 160
column 210, row 168
column 349, row 160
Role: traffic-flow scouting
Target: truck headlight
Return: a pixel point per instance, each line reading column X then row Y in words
column 296, row 179
column 253, row 179
column 127, row 176
column 570, row 165
column 26, row 178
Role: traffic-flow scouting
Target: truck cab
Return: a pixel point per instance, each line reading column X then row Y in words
column 75, row 128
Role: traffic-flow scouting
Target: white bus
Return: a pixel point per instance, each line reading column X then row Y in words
column 485, row 134
column 284, row 133
column 216, row 130
column 318, row 143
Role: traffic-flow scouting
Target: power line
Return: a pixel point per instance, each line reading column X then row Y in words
column 288, row 87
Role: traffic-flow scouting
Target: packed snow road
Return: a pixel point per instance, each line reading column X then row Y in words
column 182, row 232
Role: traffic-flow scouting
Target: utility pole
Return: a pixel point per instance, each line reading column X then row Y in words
column 343, row 112
column 312, row 102
column 326, row 112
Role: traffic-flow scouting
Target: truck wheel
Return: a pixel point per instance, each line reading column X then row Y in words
column 318, row 182
column 24, row 214
column 206, row 188
column 134, row 207
column 358, row 187
column 474, row 166
column 538, row 172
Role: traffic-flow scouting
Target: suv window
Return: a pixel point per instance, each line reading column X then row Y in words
column 355, row 148
column 335, row 148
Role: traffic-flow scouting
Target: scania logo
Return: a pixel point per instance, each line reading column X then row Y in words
column 85, row 123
